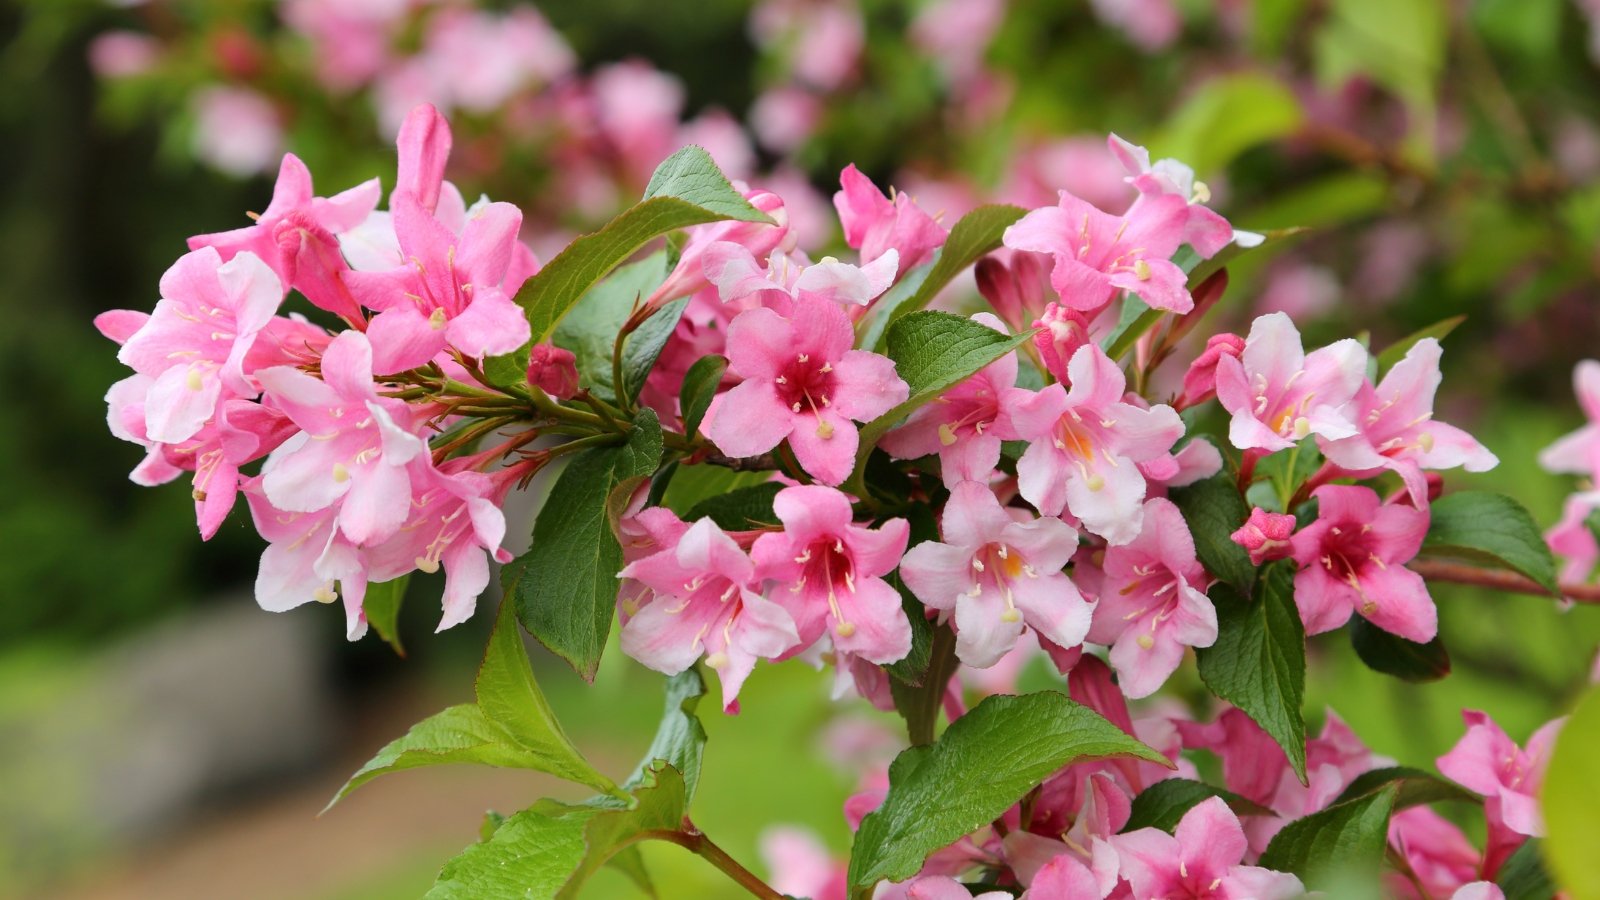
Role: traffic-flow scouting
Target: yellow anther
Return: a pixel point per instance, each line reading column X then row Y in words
column 1302, row 427
column 1145, row 641
column 424, row 564
column 437, row 320
column 340, row 473
column 1141, row 270
column 825, row 430
column 198, row 495
column 1425, row 441
column 1096, row 482
column 195, row 382
column 324, row 594
column 1011, row 615
column 717, row 660
column 947, row 435
column 846, row 629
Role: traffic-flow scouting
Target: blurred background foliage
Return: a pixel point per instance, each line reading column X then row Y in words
column 1444, row 157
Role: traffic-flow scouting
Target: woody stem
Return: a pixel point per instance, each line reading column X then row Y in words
column 692, row 839
column 1461, row 573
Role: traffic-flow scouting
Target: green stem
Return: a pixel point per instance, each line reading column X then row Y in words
column 694, row 840
column 594, row 440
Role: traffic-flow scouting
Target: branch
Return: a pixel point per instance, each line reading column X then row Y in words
column 1461, row 573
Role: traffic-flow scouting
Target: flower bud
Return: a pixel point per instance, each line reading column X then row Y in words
column 1018, row 291
column 1065, row 330
column 553, row 370
column 1200, row 382
column 1265, row 535
column 761, row 239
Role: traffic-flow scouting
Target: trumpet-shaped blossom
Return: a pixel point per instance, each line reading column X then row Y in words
column 803, row 383
column 1203, row 229
column 785, row 280
column 1202, row 858
column 1396, row 429
column 353, row 448
column 1086, row 444
column 1153, row 601
column 1098, row 254
column 1278, row 394
column 875, row 224
column 998, row 572
column 828, row 572
column 1266, row 535
column 966, row 424
column 1062, row 332
column 1573, row 540
column 307, row 558
column 705, row 604
column 1436, row 852
column 455, row 292
column 1488, row 762
column 1578, row 453
column 195, row 344
column 1353, row 559
column 759, row 239
column 455, row 523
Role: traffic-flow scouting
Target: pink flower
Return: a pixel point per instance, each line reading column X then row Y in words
column 1479, row 890
column 1098, row 254
column 1200, row 382
column 784, row 117
column 307, row 558
column 1397, row 431
column 943, row 887
column 354, row 447
column 553, row 370
column 828, row 572
column 1204, row 230
column 1086, row 443
column 1435, row 850
column 757, row 238
column 195, row 344
column 1486, row 761
column 1153, row 604
column 784, row 280
column 454, row 522
column 1063, row 332
column 705, row 603
column 1150, row 24
column 804, row 383
column 1201, row 859
column 1579, row 451
column 456, row 291
column 998, row 572
column 123, row 54
column 1353, row 559
column 966, row 424
column 1278, row 394
column 801, row 866
column 875, row 224
column 1573, row 540
column 1266, row 535
column 236, row 130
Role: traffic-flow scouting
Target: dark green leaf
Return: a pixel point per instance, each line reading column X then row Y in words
column 741, row 509
column 912, row 669
column 687, row 189
column 644, row 346
column 1397, row 350
column 590, row 332
column 1491, row 529
column 1136, row 319
column 1417, row 787
column 1523, row 876
column 1394, row 655
column 693, row 485
column 1259, row 660
column 919, row 704
column 1162, row 805
column 1347, row 837
column 976, row 234
column 565, row 586
column 1214, row 511
column 382, row 608
column 699, row 387
column 984, row 762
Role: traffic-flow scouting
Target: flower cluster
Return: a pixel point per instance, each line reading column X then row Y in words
column 976, row 488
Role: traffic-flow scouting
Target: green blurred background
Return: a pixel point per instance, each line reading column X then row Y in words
column 160, row 736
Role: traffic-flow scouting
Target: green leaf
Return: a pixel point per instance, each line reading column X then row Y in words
column 458, row 734
column 741, row 509
column 687, row 189
column 530, row 856
column 976, row 234
column 1214, row 511
column 1344, row 838
column 919, row 704
column 982, row 764
column 1226, row 116
column 1137, row 318
column 382, row 608
column 872, row 329
column 1162, row 805
column 1572, row 817
column 590, row 332
column 1416, row 787
column 933, row 351
column 644, row 346
column 565, row 586
column 1259, row 660
column 660, row 801
column 680, row 739
column 1398, row 350
column 1523, row 876
column 1394, row 655
column 692, row 485
column 1491, row 529
column 699, row 387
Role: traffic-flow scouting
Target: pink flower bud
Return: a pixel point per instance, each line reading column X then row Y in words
column 1019, row 291
column 553, row 370
column 1065, row 330
column 1200, row 382
column 1266, row 535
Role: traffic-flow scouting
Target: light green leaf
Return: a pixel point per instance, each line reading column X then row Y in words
column 1259, row 660
column 382, row 608
column 1162, row 805
column 458, row 734
column 693, row 485
column 1226, row 116
column 565, row 586
column 687, row 189
column 1344, row 838
column 1214, row 511
column 529, row 856
column 590, row 332
column 984, row 762
column 660, row 801
column 699, row 387
column 1572, row 817
column 976, row 234
column 1491, row 529
column 680, row 739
